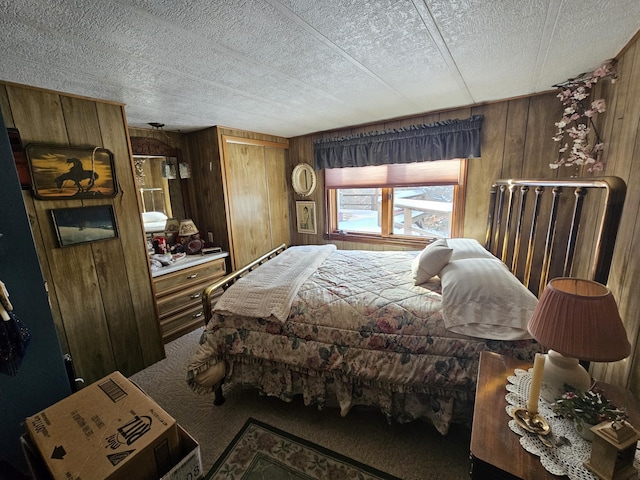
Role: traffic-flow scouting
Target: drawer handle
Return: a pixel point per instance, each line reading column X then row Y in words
column 195, row 295
column 193, row 275
column 197, row 315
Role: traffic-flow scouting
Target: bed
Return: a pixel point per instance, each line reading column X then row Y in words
column 154, row 222
column 403, row 330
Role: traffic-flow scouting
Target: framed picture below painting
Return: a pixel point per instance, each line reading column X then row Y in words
column 306, row 217
column 84, row 224
column 63, row 172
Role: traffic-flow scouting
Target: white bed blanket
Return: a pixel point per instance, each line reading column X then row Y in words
column 270, row 288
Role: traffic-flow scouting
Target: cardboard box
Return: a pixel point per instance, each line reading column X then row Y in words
column 109, row 430
column 190, row 466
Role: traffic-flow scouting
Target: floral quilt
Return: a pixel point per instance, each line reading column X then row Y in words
column 359, row 332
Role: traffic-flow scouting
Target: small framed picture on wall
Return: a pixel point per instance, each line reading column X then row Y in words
column 84, row 224
column 306, row 217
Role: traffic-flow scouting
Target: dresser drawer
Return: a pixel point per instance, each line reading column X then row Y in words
column 183, row 279
column 169, row 304
column 175, row 326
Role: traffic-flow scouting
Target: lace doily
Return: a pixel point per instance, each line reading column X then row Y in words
column 567, row 459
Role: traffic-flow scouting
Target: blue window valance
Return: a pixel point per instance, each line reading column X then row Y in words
column 418, row 143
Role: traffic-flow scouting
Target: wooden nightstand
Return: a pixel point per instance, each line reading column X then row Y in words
column 496, row 453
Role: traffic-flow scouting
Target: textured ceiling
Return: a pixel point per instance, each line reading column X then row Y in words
column 291, row 67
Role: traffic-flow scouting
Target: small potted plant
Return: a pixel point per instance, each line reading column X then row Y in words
column 587, row 409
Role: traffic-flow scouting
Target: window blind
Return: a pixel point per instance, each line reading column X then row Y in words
column 441, row 172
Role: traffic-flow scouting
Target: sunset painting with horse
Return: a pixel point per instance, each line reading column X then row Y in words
column 59, row 171
column 77, row 174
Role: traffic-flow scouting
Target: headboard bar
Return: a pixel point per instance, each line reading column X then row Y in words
column 580, row 193
column 532, row 234
column 507, row 231
column 554, row 255
column 518, row 240
column 550, row 237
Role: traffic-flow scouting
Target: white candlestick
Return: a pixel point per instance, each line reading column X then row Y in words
column 536, row 383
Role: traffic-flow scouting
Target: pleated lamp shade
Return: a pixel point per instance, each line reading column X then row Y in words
column 187, row 227
column 579, row 318
column 172, row 225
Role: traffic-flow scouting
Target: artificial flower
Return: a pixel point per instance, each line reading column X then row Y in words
column 591, row 407
column 577, row 121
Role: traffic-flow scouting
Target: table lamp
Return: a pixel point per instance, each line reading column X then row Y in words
column 187, row 228
column 576, row 319
column 171, row 226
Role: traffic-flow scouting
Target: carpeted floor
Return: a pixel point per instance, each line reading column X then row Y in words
column 414, row 451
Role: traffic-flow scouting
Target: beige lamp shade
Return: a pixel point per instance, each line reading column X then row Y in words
column 579, row 318
column 187, row 227
column 172, row 225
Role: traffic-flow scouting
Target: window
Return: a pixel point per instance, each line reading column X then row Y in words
column 400, row 202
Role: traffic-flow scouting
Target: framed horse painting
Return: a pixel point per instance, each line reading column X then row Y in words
column 64, row 172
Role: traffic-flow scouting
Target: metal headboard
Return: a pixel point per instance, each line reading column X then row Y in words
column 538, row 235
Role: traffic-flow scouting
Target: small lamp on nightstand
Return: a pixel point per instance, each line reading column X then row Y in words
column 576, row 319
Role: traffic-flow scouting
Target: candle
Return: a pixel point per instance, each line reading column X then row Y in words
column 536, row 383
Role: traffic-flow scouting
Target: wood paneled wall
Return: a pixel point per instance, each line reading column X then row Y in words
column 621, row 131
column 101, row 293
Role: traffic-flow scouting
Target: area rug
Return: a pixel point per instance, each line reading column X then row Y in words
column 261, row 451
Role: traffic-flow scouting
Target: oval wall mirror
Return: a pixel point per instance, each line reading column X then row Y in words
column 303, row 179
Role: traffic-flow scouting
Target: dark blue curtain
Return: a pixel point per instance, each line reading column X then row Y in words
column 417, row 143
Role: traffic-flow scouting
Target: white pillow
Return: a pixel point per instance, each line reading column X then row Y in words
column 482, row 298
column 467, row 248
column 148, row 217
column 430, row 261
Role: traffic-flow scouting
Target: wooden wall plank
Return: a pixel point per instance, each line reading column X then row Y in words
column 208, row 205
column 140, row 316
column 539, row 149
column 246, row 172
column 484, row 170
column 301, row 151
column 277, row 179
column 514, row 140
column 5, row 107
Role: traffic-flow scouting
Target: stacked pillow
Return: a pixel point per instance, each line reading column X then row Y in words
column 480, row 296
column 430, row 261
column 436, row 255
column 467, row 248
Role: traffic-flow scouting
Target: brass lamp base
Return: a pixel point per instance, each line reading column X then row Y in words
column 531, row 421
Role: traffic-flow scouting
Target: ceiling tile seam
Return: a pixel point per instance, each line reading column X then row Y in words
column 548, row 30
column 239, row 57
column 336, row 48
column 433, row 31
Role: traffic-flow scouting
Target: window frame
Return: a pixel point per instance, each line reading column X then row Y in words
column 386, row 235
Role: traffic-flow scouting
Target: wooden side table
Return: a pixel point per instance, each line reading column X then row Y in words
column 495, row 449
